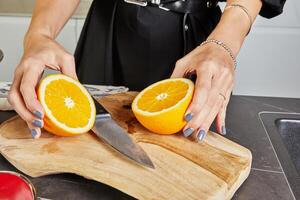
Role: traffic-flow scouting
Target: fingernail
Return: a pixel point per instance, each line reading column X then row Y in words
column 37, row 123
column 38, row 114
column 223, row 132
column 188, row 117
column 201, row 134
column 33, row 133
column 187, row 132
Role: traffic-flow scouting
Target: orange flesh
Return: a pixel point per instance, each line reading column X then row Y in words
column 162, row 96
column 57, row 93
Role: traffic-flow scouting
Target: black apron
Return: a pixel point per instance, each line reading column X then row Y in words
column 134, row 46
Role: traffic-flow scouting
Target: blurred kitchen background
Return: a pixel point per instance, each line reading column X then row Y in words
column 268, row 65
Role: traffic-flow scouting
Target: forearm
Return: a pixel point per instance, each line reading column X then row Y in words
column 234, row 24
column 49, row 17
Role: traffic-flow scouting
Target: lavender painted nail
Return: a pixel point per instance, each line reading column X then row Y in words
column 201, row 134
column 188, row 117
column 33, row 133
column 223, row 131
column 187, row 132
column 38, row 114
column 37, row 123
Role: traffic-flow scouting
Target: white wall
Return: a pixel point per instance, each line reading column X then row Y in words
column 12, row 31
column 268, row 64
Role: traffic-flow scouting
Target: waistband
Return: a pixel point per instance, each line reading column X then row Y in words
column 181, row 6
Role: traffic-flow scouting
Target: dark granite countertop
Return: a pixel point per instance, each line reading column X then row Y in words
column 266, row 181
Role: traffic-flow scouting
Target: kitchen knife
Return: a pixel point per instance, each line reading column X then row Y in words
column 111, row 133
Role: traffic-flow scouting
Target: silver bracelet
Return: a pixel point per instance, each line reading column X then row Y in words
column 243, row 8
column 224, row 46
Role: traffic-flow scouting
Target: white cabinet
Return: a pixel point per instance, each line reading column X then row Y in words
column 12, row 31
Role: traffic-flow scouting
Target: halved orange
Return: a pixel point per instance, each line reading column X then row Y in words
column 161, row 106
column 69, row 108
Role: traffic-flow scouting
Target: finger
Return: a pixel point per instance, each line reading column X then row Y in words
column 202, row 102
column 35, row 131
column 27, row 88
column 219, row 111
column 67, row 65
column 16, row 100
column 200, row 116
column 53, row 67
column 219, row 122
column 200, row 96
column 182, row 65
column 179, row 70
column 191, row 128
column 219, row 83
column 204, row 128
column 220, row 119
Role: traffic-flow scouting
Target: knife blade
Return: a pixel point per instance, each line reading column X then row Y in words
column 111, row 133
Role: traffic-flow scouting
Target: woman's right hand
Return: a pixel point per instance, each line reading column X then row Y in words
column 40, row 52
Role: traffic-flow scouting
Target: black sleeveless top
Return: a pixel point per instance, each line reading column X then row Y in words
column 134, row 46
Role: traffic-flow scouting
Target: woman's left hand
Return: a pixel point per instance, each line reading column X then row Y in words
column 214, row 69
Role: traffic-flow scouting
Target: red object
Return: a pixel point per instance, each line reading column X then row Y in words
column 14, row 187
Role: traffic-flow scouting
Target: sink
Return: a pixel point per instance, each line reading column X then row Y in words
column 289, row 130
column 283, row 130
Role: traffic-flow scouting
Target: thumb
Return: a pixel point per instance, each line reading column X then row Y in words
column 180, row 69
column 67, row 66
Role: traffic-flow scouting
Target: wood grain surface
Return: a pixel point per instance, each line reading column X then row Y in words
column 212, row 169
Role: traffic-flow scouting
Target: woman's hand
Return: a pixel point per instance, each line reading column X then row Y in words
column 40, row 52
column 214, row 69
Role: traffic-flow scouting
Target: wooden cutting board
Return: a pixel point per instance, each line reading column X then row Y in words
column 212, row 169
